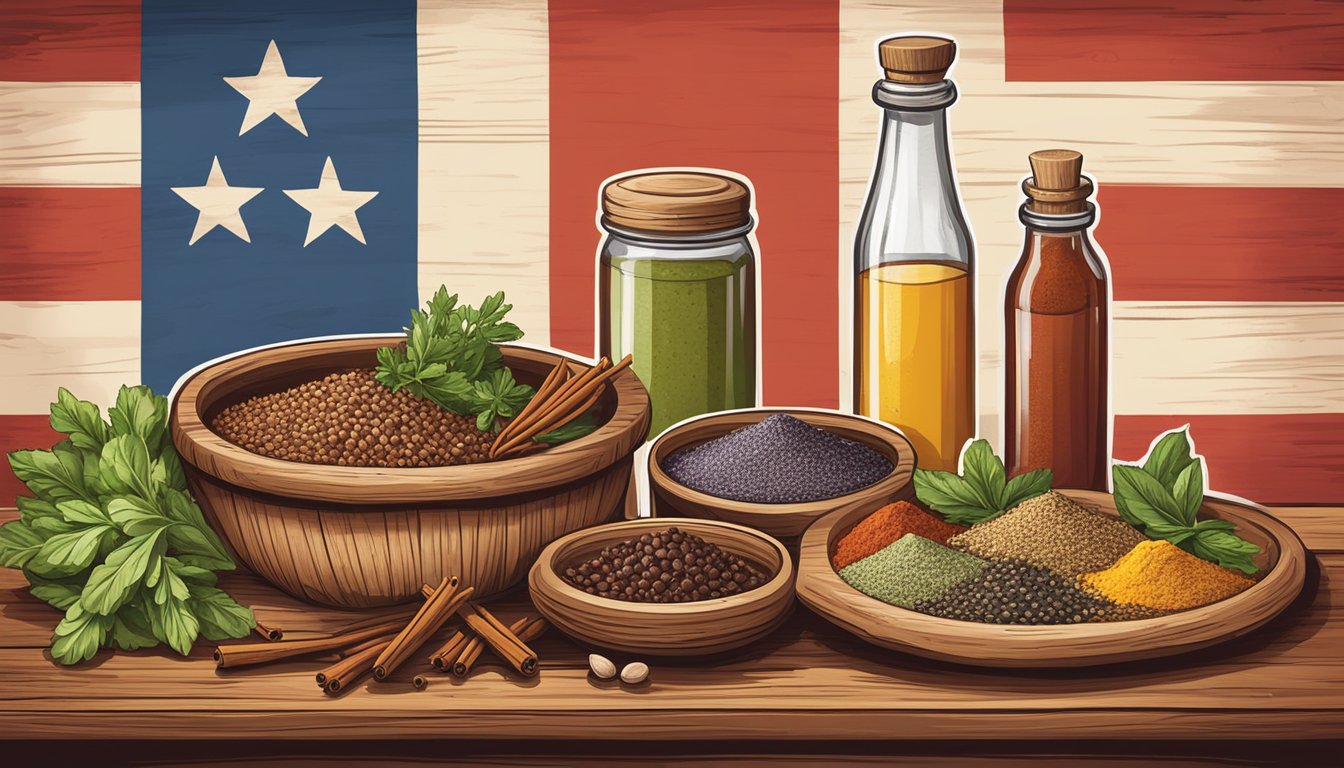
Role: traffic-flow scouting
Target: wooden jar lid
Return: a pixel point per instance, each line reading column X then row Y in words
column 1057, row 184
column 916, row 59
column 676, row 202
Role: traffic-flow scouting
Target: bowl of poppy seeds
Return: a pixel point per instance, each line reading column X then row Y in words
column 777, row 470
column 342, row 492
column 664, row 586
column 1060, row 580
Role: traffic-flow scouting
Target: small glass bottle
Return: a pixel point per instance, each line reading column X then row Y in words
column 677, row 290
column 914, row 307
column 1056, row 315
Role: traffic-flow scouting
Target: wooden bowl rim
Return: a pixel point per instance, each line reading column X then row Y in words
column 820, row 587
column 899, row 476
column 544, row 577
column 200, row 446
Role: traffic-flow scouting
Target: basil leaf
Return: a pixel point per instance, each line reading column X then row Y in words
column 221, row 617
column 170, row 586
column 141, row 413
column 1225, row 549
column 191, row 574
column 131, row 628
column 51, row 475
column 70, row 552
column 984, row 471
column 111, row 584
column 79, row 419
column 1172, row 454
column 951, row 495
column 56, row 594
column 585, row 424
column 1141, row 499
column 82, row 512
column 124, row 466
column 193, row 536
column 1188, row 491
column 136, row 516
column 79, row 635
column 1027, row 485
column 31, row 509
column 168, row 471
column 19, row 543
column 173, row 623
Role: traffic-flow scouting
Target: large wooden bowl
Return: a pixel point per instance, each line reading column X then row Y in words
column 356, row 537
column 1282, row 562
column 783, row 521
column 664, row 629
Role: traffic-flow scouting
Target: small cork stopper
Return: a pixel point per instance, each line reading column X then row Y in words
column 916, row 59
column 1057, row 184
column 676, row 202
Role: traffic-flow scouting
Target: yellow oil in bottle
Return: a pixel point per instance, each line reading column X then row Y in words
column 914, row 355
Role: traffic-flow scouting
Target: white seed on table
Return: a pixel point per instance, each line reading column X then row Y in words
column 635, row 673
column 601, row 666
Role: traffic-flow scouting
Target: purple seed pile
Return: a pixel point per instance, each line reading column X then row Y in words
column 778, row 460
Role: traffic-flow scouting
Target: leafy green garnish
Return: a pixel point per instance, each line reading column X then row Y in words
column 111, row 536
column 451, row 357
column 1162, row 499
column 982, row 492
column 584, row 425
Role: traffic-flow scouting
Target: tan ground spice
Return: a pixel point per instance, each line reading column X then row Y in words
column 1161, row 575
column 1052, row 531
column 351, row 420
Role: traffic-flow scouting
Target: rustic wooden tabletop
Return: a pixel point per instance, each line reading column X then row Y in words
column 809, row 685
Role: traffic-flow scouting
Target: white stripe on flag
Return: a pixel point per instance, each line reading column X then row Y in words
column 484, row 154
column 70, row 134
column 89, row 347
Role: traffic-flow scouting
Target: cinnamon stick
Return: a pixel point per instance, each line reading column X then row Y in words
column 420, row 682
column 443, row 658
column 270, row 633
column 247, row 654
column 340, row 675
column 432, row 616
column 554, row 380
column 528, row 444
column 473, row 649
column 379, row 642
column 501, row 640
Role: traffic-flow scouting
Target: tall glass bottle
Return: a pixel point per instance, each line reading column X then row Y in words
column 914, row 306
column 1055, row 314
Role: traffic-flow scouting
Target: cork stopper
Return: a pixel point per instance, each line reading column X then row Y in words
column 916, row 59
column 1057, row 184
column 676, row 202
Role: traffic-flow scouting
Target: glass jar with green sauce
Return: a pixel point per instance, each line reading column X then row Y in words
column 677, row 283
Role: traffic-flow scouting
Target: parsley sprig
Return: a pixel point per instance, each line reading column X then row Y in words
column 1162, row 498
column 982, row 491
column 111, row 537
column 451, row 356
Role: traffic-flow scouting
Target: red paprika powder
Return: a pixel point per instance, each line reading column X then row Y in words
column 885, row 526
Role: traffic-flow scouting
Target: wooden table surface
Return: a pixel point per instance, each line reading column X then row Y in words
column 810, row 684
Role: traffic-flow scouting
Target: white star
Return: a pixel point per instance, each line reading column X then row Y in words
column 328, row 205
column 272, row 92
column 219, row 204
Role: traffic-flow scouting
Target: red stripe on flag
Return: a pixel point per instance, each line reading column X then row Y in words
column 59, row 40
column 1102, row 40
column 1270, row 459
column 1174, row 243
column 743, row 87
column 17, row 433
column 70, row 243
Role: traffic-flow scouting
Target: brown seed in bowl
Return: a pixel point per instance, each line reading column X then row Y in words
column 669, row 566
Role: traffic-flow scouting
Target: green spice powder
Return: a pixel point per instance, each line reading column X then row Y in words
column 911, row 569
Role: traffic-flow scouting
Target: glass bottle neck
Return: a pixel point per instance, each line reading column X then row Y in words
column 913, row 212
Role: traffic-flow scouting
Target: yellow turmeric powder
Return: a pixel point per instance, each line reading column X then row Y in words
column 1160, row 575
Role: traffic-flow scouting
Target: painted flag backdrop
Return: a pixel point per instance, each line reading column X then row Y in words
column 182, row 179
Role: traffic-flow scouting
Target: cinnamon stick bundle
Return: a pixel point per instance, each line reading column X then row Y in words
column 443, row 658
column 501, row 639
column 557, row 403
column 379, row 642
column 469, row 655
column 340, row 675
column 429, row 619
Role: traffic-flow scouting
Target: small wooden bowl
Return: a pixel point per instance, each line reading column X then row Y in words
column 664, row 629
column 783, row 521
column 1283, row 567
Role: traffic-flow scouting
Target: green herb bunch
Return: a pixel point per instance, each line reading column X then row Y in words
column 451, row 357
column 111, row 537
column 982, row 492
column 1162, row 499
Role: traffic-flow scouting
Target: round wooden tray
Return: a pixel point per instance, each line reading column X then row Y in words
column 784, row 521
column 1282, row 560
column 662, row 629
